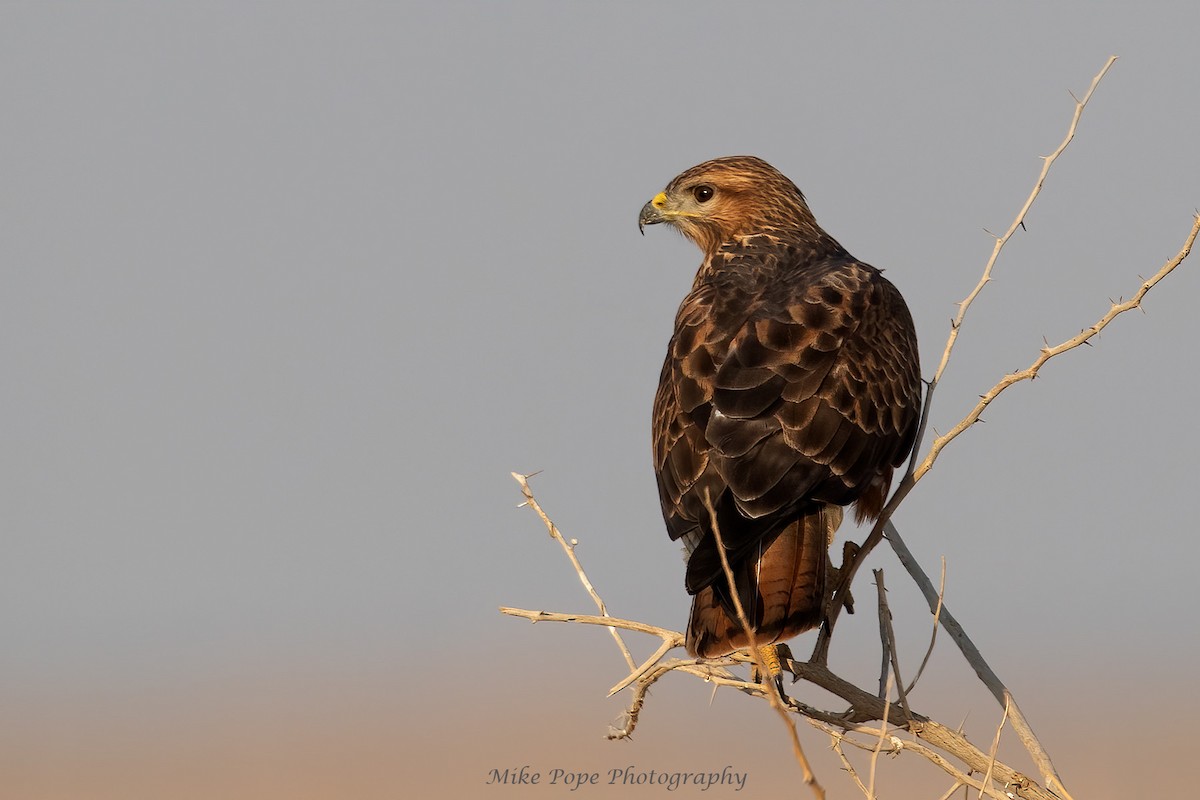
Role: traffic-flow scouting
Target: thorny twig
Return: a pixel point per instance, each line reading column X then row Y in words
column 864, row 706
column 915, row 473
column 569, row 549
column 772, row 691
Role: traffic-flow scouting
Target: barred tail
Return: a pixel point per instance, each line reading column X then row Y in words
column 781, row 585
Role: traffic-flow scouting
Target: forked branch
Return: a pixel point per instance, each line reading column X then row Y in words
column 942, row 747
column 914, row 473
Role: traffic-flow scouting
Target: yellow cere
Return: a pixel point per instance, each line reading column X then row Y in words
column 659, row 200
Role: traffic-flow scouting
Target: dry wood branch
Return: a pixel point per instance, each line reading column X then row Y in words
column 997, row 248
column 885, row 617
column 768, row 680
column 864, row 707
column 914, row 473
column 883, row 729
column 1047, row 353
column 968, row 780
column 711, row 673
column 646, row 666
column 569, row 549
column 1018, row 221
column 985, row 673
column 953, row 788
column 1003, row 696
column 885, row 660
column 995, row 746
column 937, row 615
column 912, row 746
column 591, row 619
column 836, row 743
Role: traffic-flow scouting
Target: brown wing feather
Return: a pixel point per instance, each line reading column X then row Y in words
column 786, row 386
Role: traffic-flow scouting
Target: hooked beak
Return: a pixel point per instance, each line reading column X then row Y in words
column 651, row 213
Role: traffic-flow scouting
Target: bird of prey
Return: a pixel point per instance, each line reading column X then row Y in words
column 791, row 388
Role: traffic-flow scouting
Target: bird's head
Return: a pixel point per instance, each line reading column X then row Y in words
column 726, row 198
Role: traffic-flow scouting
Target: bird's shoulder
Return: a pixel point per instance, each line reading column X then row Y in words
column 770, row 329
column 784, row 291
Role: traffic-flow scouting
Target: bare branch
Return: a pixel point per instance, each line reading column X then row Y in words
column 663, row 649
column 569, row 549
column 973, row 656
column 937, row 614
column 864, row 706
column 995, row 746
column 1027, row 790
column 1016, row 223
column 971, row 653
column 1048, row 353
column 592, row 619
column 954, row 788
column 960, row 778
column 1001, row 241
column 772, row 692
column 836, row 738
column 820, row 652
column 885, row 617
column 883, row 729
column 710, row 672
column 885, row 647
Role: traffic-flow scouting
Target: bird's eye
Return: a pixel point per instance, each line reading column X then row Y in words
column 702, row 194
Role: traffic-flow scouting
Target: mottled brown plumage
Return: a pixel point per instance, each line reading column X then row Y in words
column 791, row 387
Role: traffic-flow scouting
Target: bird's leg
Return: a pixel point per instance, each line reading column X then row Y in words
column 768, row 654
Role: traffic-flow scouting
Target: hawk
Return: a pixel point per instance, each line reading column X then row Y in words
column 791, row 388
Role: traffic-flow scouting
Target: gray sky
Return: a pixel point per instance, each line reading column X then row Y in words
column 289, row 291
